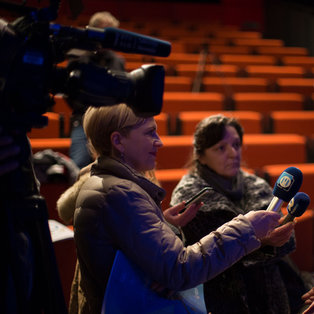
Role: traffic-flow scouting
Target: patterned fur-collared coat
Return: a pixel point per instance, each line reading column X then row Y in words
column 266, row 281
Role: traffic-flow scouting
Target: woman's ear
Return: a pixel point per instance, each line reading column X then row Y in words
column 116, row 141
column 201, row 159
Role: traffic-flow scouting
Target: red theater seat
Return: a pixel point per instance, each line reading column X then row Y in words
column 266, row 102
column 61, row 145
column 162, row 123
column 51, row 192
column 258, row 42
column 51, row 130
column 299, row 122
column 196, row 44
column 250, row 120
column 274, row 72
column 168, row 179
column 230, row 85
column 304, row 61
column 176, row 58
column 258, row 150
column 282, row 51
column 175, row 152
column 174, row 102
column 225, row 49
column 304, row 86
column 214, row 70
column 236, row 34
column 178, row 84
column 266, row 149
column 244, row 60
column 65, row 252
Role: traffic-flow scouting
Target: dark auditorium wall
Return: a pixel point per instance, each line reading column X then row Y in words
column 231, row 12
column 292, row 21
column 247, row 13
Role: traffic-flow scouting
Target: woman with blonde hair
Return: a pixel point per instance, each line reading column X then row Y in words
column 118, row 209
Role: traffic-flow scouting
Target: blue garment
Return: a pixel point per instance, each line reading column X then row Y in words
column 79, row 151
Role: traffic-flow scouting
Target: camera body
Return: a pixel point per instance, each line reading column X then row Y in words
column 30, row 76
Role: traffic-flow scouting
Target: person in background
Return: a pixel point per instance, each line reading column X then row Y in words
column 106, row 58
column 264, row 281
column 118, row 208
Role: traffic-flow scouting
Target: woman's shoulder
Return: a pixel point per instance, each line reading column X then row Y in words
column 102, row 191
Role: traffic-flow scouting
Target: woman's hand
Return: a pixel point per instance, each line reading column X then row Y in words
column 178, row 219
column 263, row 222
column 309, row 299
column 280, row 235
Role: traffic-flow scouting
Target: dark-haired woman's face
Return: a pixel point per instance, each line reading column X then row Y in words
column 225, row 156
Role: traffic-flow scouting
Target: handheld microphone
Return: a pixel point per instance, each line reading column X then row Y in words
column 287, row 185
column 296, row 207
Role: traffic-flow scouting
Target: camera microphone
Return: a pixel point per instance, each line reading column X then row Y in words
column 287, row 185
column 122, row 40
column 116, row 39
column 296, row 207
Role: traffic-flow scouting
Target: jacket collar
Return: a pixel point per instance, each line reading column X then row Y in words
column 112, row 166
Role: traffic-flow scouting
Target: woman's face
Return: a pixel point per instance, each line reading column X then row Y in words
column 225, row 156
column 141, row 146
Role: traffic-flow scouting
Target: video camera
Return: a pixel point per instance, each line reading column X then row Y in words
column 32, row 46
column 30, row 49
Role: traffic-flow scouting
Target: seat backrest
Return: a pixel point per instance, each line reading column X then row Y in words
column 251, row 121
column 299, row 122
column 266, row 102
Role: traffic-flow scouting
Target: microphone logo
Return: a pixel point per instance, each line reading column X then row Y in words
column 290, row 207
column 285, row 181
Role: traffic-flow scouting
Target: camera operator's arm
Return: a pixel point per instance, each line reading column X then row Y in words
column 8, row 152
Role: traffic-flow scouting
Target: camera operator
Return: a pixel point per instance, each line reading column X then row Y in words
column 8, row 152
column 79, row 151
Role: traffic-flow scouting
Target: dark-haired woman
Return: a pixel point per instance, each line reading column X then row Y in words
column 264, row 281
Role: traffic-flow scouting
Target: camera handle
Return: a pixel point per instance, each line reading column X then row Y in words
column 30, row 273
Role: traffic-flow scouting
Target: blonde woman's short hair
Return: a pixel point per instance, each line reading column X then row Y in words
column 100, row 122
column 103, row 19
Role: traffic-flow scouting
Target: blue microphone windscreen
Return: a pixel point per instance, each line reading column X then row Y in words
column 298, row 204
column 288, row 184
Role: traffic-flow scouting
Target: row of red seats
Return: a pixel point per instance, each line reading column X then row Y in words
column 258, row 149
column 232, row 59
column 258, row 112
column 298, row 122
column 232, row 70
column 231, row 85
